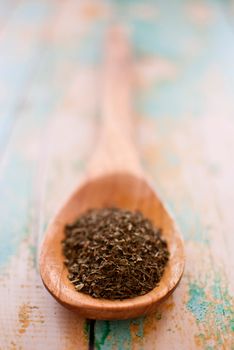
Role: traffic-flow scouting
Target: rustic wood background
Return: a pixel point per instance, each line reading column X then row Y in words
column 184, row 100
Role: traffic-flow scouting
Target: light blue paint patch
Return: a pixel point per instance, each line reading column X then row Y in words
column 192, row 228
column 17, row 191
column 19, row 174
column 221, row 54
column 172, row 99
column 216, row 290
column 6, row 125
column 219, row 316
column 222, row 297
column 220, row 313
column 223, row 310
column 128, row 2
column 102, row 330
column 90, row 48
column 186, row 215
column 197, row 303
column 15, row 206
column 149, row 33
column 16, row 66
column 213, row 307
column 231, row 323
column 175, row 98
column 147, row 39
column 32, row 11
column 189, row 222
column 119, row 335
column 140, row 323
column 183, row 96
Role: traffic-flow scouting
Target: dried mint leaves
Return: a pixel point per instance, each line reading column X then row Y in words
column 113, row 253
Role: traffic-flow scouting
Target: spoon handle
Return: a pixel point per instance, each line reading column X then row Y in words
column 117, row 84
column 116, row 150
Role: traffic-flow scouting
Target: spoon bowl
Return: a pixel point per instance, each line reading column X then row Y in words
column 126, row 191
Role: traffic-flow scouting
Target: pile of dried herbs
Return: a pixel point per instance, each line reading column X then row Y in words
column 114, row 254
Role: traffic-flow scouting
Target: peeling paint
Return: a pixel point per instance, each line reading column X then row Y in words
column 120, row 335
column 197, row 303
column 24, row 317
column 102, row 330
column 213, row 308
column 69, row 45
column 28, row 316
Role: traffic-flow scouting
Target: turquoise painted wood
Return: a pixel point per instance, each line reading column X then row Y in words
column 49, row 57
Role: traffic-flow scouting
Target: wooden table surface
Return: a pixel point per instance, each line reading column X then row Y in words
column 184, row 100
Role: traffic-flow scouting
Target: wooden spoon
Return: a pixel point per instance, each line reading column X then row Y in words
column 114, row 179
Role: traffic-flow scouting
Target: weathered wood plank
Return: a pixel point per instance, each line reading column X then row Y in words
column 21, row 48
column 33, row 320
column 185, row 137
column 187, row 97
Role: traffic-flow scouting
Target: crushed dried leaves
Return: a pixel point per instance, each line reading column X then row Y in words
column 113, row 253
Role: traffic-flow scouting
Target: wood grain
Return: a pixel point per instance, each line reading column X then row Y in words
column 185, row 136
